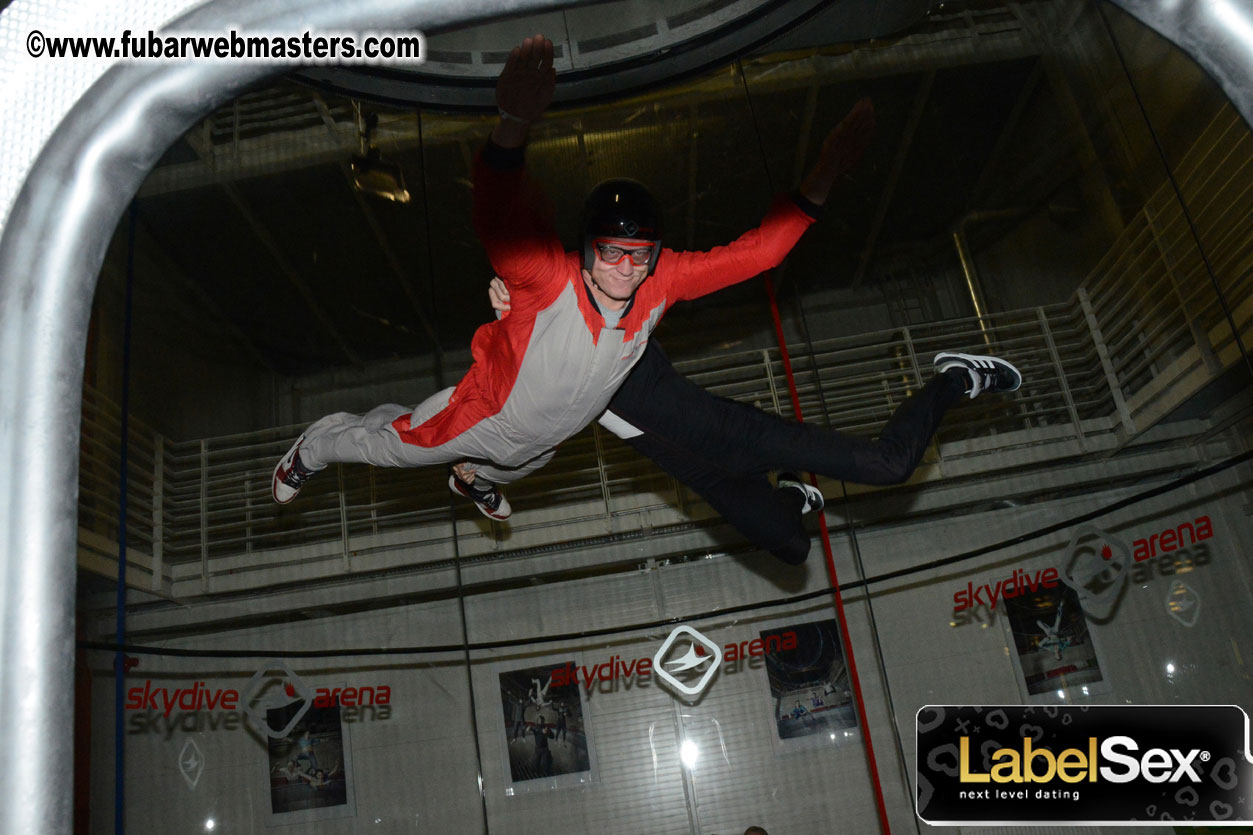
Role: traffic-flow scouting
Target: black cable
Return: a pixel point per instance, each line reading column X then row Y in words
column 452, row 507
column 1152, row 492
column 465, row 649
column 847, row 503
column 437, row 348
column 1142, row 496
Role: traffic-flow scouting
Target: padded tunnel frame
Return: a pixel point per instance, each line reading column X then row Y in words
column 51, row 251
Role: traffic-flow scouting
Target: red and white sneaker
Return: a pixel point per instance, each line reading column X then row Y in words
column 290, row 475
column 486, row 496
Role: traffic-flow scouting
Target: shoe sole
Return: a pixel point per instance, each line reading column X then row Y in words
column 274, row 479
column 486, row 511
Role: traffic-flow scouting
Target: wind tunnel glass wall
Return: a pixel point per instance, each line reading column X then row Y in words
column 1023, row 196
column 1070, row 192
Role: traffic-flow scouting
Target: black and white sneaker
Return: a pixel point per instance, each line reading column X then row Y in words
column 986, row 374
column 811, row 495
column 290, row 474
column 487, row 497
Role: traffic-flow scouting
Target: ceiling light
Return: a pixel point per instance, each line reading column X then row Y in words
column 370, row 174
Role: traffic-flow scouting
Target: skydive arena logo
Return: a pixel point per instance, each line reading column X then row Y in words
column 674, row 669
column 1151, row 765
column 165, row 707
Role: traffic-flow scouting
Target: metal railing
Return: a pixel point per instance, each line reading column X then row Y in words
column 1161, row 317
column 1144, row 332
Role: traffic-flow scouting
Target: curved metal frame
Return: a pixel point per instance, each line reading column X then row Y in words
column 1218, row 34
column 406, row 88
column 51, row 251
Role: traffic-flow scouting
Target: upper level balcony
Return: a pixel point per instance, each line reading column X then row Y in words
column 1139, row 360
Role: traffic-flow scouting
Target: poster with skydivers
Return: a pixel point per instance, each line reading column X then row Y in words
column 310, row 771
column 810, row 691
column 546, row 738
column 1054, row 651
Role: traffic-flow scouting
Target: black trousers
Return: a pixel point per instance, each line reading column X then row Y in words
column 723, row 449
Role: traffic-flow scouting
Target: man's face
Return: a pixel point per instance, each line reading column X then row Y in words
column 614, row 284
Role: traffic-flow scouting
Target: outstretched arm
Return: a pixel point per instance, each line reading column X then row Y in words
column 524, row 90
column 841, row 150
column 511, row 215
column 700, row 273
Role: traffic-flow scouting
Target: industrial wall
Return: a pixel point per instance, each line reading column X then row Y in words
column 436, row 707
column 1170, row 627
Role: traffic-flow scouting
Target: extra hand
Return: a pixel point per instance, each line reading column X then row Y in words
column 841, row 150
column 498, row 294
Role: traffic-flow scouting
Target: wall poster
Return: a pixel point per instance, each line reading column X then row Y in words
column 546, row 742
column 310, row 767
column 811, row 698
column 1054, row 652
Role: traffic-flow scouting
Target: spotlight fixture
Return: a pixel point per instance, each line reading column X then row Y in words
column 370, row 174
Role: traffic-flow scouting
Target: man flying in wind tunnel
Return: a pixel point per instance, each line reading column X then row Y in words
column 724, row 449
column 580, row 320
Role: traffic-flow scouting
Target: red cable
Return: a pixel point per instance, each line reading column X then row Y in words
column 835, row 583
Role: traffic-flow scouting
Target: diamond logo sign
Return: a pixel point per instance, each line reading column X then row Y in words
column 1096, row 568
column 1183, row 603
column 260, row 696
column 191, row 763
column 687, row 666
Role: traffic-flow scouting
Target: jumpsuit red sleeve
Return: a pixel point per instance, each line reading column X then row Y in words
column 513, row 220
column 691, row 275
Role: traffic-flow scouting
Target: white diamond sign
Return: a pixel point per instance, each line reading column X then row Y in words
column 700, row 651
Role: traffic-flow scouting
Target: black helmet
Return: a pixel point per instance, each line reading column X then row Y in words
column 621, row 208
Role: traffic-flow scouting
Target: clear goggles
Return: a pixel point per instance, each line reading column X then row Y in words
column 614, row 252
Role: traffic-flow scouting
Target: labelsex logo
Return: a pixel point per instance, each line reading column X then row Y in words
column 1156, row 765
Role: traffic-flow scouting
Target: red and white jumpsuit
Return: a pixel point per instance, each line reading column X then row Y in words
column 548, row 369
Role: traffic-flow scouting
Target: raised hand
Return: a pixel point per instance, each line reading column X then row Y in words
column 525, row 87
column 841, row 150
